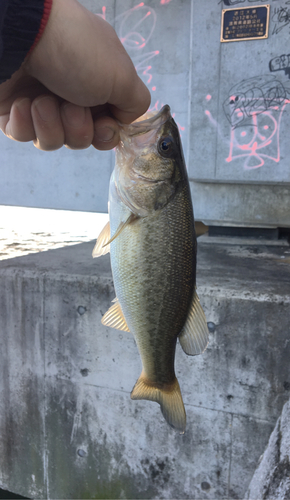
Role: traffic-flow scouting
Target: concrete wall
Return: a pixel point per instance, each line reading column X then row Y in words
column 68, row 427
column 271, row 480
column 231, row 101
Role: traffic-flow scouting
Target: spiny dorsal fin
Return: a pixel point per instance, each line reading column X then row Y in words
column 101, row 247
column 169, row 398
column 114, row 317
column 194, row 335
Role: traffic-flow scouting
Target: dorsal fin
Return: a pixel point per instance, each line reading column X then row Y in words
column 101, row 247
column 114, row 317
column 194, row 335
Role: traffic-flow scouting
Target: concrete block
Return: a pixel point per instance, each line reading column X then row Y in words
column 67, row 424
column 272, row 477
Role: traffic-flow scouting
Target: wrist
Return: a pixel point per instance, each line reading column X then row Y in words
column 45, row 16
column 22, row 24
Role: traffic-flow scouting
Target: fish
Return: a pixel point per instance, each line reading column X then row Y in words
column 152, row 241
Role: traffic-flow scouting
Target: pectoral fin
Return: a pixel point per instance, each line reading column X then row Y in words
column 104, row 239
column 169, row 398
column 122, row 226
column 194, row 335
column 101, row 247
column 114, row 317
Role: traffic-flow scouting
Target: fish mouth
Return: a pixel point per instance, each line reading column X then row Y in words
column 142, row 126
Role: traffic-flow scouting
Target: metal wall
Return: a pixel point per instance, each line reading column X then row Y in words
column 231, row 102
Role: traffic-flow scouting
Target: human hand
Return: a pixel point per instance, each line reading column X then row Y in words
column 74, row 86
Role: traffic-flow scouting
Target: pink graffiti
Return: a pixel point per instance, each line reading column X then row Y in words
column 210, row 117
column 143, row 67
column 182, row 129
column 254, row 145
column 254, row 109
column 128, row 26
column 103, row 15
column 135, row 27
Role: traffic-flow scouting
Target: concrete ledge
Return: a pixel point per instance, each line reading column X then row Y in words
column 68, row 427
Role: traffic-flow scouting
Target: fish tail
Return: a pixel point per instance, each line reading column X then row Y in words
column 169, row 398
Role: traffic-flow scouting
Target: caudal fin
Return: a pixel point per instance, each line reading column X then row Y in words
column 170, row 400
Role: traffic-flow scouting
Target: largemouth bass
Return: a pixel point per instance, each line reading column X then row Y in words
column 152, row 242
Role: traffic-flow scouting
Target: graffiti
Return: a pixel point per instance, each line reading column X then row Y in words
column 254, row 110
column 281, row 18
column 281, row 63
column 228, row 3
column 135, row 28
column 252, row 97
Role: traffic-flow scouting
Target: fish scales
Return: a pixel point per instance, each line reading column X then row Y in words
column 153, row 258
column 153, row 265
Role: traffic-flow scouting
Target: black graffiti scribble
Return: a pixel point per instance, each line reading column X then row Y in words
column 254, row 96
column 281, row 63
column 281, row 18
column 235, row 2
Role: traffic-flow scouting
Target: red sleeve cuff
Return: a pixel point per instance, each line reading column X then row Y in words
column 43, row 23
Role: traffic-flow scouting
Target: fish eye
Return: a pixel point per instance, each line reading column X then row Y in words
column 165, row 146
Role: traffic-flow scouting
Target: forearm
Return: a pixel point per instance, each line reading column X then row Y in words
column 21, row 25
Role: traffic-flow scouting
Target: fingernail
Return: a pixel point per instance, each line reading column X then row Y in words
column 75, row 115
column 47, row 108
column 104, row 134
column 22, row 104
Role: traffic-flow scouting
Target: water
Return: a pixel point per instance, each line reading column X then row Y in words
column 28, row 230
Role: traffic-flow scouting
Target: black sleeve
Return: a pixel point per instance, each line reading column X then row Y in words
column 19, row 25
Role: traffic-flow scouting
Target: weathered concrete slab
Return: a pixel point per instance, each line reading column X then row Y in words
column 68, row 427
column 272, row 478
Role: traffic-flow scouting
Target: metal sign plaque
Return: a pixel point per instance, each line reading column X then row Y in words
column 245, row 23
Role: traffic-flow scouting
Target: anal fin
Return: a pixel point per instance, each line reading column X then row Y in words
column 194, row 335
column 169, row 398
column 115, row 318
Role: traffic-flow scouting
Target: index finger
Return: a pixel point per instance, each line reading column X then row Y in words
column 126, row 111
column 130, row 98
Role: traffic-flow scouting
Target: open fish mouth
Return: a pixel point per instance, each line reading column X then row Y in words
column 144, row 125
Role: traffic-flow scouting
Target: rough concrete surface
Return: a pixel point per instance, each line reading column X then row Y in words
column 67, row 424
column 271, row 480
